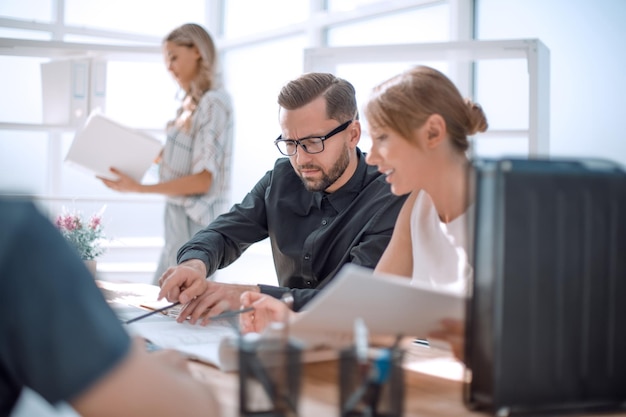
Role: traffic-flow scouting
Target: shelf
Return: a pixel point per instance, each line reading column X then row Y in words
column 50, row 128
column 60, row 49
column 461, row 54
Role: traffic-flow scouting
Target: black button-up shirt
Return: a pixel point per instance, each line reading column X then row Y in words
column 312, row 234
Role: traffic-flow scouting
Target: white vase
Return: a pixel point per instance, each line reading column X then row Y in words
column 91, row 266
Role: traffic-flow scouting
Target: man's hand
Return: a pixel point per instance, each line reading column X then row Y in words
column 266, row 310
column 217, row 298
column 184, row 282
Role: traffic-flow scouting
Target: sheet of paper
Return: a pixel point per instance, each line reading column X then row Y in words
column 213, row 344
column 389, row 305
column 216, row 344
column 203, row 343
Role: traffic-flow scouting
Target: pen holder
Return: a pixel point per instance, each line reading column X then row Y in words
column 374, row 388
column 269, row 378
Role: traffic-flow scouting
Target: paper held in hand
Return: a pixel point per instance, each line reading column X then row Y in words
column 103, row 143
column 389, row 305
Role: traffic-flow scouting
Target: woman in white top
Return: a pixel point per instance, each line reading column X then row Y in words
column 419, row 124
column 194, row 168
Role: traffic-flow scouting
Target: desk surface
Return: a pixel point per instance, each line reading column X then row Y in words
column 433, row 387
column 433, row 380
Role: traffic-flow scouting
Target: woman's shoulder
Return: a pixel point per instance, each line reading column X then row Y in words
column 215, row 96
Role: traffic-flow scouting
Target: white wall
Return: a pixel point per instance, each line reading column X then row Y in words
column 588, row 67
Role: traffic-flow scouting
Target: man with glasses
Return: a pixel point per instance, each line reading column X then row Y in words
column 321, row 207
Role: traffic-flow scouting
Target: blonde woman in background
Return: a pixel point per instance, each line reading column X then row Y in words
column 419, row 124
column 194, row 168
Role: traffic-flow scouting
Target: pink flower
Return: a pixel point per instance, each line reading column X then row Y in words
column 95, row 222
column 85, row 237
column 70, row 222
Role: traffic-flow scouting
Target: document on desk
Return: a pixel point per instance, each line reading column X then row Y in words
column 389, row 306
column 215, row 344
column 103, row 143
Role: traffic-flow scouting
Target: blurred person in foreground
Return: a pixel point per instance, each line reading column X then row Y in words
column 61, row 339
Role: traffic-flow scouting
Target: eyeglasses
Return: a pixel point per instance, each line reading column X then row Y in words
column 315, row 144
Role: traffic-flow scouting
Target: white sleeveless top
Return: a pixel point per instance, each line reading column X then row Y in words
column 439, row 249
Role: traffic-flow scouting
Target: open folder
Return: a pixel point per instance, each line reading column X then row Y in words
column 103, row 143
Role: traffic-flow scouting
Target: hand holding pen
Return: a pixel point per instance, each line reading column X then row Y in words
column 224, row 315
column 267, row 309
column 187, row 283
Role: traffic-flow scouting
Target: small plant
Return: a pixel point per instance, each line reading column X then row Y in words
column 85, row 236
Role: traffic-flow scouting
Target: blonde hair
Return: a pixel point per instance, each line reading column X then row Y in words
column 404, row 102
column 190, row 35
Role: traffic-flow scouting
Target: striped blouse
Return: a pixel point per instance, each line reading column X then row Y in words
column 208, row 146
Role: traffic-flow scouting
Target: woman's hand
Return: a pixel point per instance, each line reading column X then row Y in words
column 266, row 310
column 451, row 331
column 123, row 184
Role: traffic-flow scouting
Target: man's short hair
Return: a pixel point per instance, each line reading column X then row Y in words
column 339, row 94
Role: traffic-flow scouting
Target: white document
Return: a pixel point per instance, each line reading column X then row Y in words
column 389, row 306
column 103, row 143
column 215, row 343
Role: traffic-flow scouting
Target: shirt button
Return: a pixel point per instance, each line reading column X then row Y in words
column 307, row 257
column 308, row 283
column 324, row 222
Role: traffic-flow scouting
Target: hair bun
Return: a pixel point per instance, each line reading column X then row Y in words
column 477, row 118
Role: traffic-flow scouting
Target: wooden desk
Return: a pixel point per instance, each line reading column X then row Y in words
column 433, row 379
column 433, row 386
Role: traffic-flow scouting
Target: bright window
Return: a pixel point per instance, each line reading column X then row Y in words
column 246, row 17
column 424, row 24
column 21, row 89
column 150, row 17
column 31, row 10
column 23, row 161
column 254, row 79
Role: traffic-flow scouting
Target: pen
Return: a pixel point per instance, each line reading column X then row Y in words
column 361, row 341
column 231, row 313
column 158, row 310
column 361, row 347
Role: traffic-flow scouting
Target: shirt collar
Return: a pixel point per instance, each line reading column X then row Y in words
column 342, row 198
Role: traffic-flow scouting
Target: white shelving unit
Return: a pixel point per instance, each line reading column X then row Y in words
column 126, row 258
column 461, row 56
column 58, row 50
